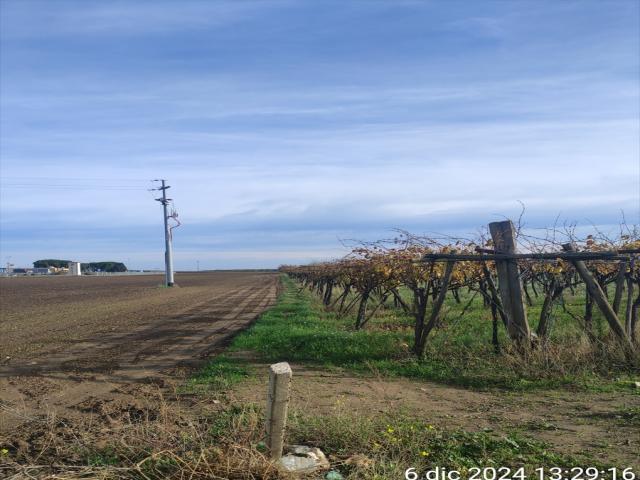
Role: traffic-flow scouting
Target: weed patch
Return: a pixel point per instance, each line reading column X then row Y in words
column 219, row 374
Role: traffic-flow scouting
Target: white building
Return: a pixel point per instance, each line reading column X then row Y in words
column 74, row 269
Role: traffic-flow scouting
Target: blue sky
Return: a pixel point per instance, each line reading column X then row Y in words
column 285, row 126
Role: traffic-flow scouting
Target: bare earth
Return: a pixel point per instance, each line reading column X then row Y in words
column 68, row 341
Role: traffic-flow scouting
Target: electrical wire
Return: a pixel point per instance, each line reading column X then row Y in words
column 69, row 183
column 69, row 187
column 82, row 179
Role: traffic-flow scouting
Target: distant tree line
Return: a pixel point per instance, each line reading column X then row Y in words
column 86, row 267
column 51, row 263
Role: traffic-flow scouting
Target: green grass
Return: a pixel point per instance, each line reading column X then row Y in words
column 299, row 329
column 399, row 441
column 218, row 375
column 386, row 444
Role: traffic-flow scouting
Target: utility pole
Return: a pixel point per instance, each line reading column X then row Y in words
column 168, row 253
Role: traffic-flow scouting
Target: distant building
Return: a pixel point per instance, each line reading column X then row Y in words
column 74, row 269
column 23, row 271
column 26, row 270
column 42, row 270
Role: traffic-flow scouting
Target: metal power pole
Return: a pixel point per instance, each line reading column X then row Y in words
column 168, row 252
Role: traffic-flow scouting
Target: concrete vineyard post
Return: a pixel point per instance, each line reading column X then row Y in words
column 509, row 282
column 277, row 406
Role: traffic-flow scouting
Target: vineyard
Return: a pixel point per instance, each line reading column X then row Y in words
column 580, row 290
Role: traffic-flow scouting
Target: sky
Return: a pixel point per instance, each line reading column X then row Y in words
column 287, row 128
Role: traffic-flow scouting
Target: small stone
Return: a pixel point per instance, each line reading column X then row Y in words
column 303, row 459
column 333, row 475
column 637, row 384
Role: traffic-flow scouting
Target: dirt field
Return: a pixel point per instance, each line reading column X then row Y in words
column 71, row 342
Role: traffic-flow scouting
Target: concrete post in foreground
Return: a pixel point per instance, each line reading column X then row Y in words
column 277, row 406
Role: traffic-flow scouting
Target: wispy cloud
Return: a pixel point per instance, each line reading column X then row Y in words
column 36, row 18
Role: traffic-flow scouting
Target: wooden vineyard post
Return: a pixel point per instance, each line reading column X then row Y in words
column 277, row 406
column 509, row 282
column 598, row 295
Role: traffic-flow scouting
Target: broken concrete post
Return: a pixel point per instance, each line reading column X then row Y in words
column 277, row 405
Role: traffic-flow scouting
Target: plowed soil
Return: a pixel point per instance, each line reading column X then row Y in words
column 69, row 344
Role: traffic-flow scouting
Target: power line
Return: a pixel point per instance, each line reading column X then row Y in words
column 68, row 183
column 70, row 186
column 97, row 179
